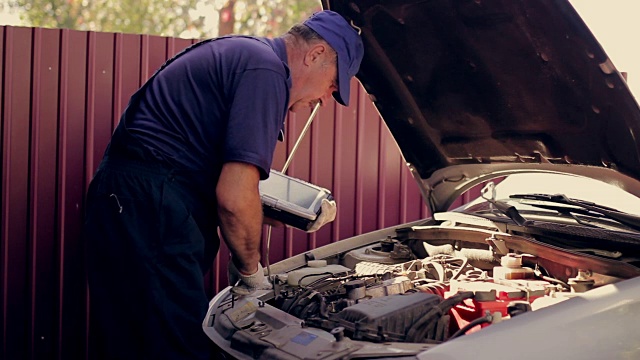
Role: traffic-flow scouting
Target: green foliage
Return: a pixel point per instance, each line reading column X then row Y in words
column 271, row 17
column 156, row 17
column 166, row 17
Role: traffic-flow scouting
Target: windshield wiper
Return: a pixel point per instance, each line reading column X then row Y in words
column 629, row 220
column 510, row 211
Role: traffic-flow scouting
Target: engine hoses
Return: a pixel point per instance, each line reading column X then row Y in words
column 418, row 331
column 485, row 319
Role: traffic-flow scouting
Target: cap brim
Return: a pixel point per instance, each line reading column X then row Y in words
column 344, row 84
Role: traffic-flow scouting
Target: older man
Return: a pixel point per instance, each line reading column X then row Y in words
column 185, row 159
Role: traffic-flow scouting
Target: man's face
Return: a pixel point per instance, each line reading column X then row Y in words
column 321, row 81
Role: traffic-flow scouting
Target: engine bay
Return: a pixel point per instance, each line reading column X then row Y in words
column 415, row 288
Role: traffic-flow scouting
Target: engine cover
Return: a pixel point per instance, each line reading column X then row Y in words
column 385, row 318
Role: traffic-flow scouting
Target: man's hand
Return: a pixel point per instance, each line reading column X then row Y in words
column 246, row 284
column 327, row 215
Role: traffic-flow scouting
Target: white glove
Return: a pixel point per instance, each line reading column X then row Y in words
column 247, row 283
column 327, row 215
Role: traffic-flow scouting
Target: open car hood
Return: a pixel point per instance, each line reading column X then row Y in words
column 472, row 90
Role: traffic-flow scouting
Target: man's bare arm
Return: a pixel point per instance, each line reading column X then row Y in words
column 240, row 212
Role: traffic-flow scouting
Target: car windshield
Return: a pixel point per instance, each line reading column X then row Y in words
column 574, row 187
column 562, row 204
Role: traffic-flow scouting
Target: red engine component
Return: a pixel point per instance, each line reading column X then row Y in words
column 491, row 296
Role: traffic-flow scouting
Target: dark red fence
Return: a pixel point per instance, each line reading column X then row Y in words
column 61, row 96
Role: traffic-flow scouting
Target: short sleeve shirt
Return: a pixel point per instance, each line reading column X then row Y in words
column 222, row 101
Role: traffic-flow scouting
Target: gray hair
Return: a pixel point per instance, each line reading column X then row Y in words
column 309, row 36
column 305, row 33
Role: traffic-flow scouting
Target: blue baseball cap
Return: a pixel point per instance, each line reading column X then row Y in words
column 346, row 42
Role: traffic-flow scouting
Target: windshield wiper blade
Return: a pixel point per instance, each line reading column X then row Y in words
column 510, row 211
column 624, row 218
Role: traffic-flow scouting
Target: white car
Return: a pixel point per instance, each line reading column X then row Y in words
column 517, row 97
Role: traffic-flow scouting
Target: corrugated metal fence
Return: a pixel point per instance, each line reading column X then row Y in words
column 62, row 94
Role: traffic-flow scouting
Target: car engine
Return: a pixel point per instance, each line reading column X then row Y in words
column 422, row 300
column 417, row 287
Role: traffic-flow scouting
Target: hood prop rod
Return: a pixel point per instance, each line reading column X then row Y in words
column 284, row 170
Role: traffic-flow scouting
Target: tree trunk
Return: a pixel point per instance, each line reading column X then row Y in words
column 226, row 19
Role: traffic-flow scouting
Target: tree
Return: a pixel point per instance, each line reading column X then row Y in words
column 167, row 17
column 154, row 17
column 271, row 17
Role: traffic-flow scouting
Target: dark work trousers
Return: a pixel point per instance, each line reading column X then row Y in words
column 151, row 236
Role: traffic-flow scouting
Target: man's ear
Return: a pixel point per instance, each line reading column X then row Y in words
column 314, row 53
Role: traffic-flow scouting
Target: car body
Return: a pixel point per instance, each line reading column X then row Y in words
column 516, row 97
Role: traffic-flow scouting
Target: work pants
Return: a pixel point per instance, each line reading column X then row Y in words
column 150, row 238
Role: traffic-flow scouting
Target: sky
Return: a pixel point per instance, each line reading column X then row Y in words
column 613, row 22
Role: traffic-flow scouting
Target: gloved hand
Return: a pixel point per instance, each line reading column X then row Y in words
column 246, row 284
column 327, row 215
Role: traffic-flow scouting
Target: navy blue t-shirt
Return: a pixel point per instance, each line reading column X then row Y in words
column 222, row 101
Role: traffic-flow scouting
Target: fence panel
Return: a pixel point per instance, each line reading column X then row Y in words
column 62, row 94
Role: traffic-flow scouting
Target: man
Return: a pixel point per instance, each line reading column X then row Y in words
column 185, row 159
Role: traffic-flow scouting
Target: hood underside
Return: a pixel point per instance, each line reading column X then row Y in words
column 474, row 82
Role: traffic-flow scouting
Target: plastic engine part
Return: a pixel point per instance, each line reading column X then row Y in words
column 385, row 318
